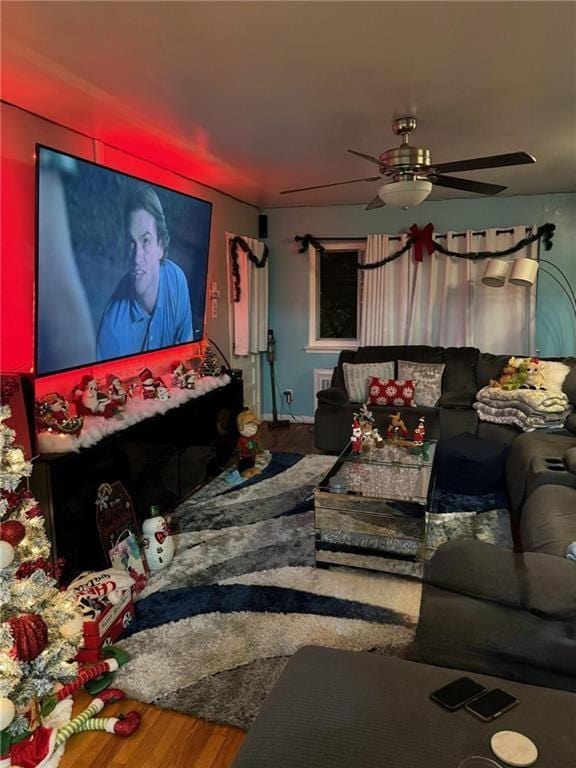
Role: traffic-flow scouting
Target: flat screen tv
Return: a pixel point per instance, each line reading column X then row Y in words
column 121, row 264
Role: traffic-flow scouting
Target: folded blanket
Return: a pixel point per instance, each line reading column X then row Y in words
column 520, row 405
column 542, row 401
column 520, row 419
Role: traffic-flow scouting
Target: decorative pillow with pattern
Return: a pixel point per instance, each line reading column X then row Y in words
column 428, row 379
column 391, row 392
column 357, row 375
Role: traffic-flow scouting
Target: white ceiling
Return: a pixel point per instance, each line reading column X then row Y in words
column 256, row 97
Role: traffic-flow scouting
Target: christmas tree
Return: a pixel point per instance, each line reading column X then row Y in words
column 40, row 629
column 210, row 365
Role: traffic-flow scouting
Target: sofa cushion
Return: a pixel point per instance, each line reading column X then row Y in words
column 570, row 423
column 358, row 375
column 524, row 448
column 537, row 582
column 548, row 522
column 416, row 354
column 569, row 384
column 391, row 392
column 428, row 378
column 333, row 396
column 457, row 399
column 460, row 373
column 570, row 459
column 488, row 367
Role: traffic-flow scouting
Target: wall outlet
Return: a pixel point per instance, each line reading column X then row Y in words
column 288, row 395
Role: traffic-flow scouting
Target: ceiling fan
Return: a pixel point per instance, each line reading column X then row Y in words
column 410, row 175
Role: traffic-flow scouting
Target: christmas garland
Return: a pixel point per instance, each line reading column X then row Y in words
column 421, row 239
column 235, row 243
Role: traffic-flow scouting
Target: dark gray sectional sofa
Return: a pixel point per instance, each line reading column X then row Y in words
column 488, row 609
column 467, row 370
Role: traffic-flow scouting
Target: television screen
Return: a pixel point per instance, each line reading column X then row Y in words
column 121, row 264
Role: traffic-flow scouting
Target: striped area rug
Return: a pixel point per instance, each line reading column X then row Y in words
column 214, row 630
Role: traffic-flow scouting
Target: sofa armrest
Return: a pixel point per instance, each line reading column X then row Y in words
column 542, row 584
column 570, row 423
column 457, row 399
column 333, row 396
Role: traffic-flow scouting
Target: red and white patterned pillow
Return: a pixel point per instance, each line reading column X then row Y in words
column 391, row 392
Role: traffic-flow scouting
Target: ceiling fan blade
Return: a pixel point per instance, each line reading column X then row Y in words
column 335, row 184
column 376, row 203
column 371, row 158
column 494, row 161
column 468, row 185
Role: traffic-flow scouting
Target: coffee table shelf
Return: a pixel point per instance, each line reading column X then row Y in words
column 379, row 521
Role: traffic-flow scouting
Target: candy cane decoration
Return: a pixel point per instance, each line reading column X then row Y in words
column 102, row 669
column 43, row 742
column 75, row 725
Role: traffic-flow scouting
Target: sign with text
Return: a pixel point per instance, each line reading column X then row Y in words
column 119, row 531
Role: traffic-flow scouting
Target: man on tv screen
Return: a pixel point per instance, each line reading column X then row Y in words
column 150, row 307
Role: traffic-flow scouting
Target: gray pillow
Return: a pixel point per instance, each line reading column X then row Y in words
column 357, row 375
column 427, row 377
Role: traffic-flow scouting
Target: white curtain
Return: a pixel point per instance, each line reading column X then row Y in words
column 251, row 312
column 442, row 300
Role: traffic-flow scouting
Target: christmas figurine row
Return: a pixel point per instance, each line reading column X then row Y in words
column 365, row 435
column 108, row 399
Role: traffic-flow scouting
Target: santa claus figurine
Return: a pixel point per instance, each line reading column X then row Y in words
column 52, row 414
column 419, row 432
column 116, row 391
column 90, row 402
column 356, row 438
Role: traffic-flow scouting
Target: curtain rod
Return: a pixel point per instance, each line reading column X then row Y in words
column 481, row 233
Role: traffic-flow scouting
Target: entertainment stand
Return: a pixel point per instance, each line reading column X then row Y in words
column 159, row 460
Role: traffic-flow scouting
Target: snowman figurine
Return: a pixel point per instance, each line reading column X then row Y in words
column 158, row 542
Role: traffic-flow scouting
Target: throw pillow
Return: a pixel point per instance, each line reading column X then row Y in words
column 427, row 377
column 357, row 375
column 391, row 392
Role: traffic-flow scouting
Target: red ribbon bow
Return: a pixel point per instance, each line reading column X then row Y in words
column 423, row 240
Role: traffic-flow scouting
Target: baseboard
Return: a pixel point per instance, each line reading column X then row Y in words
column 293, row 419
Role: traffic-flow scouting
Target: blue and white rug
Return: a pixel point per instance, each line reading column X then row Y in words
column 214, row 630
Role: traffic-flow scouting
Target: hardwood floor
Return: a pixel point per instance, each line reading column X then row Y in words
column 298, row 438
column 164, row 739
column 168, row 739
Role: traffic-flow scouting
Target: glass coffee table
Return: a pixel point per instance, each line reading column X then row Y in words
column 370, row 509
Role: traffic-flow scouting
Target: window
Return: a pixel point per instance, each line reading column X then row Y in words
column 334, row 301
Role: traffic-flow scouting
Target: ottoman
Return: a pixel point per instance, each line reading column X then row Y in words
column 469, row 465
column 342, row 709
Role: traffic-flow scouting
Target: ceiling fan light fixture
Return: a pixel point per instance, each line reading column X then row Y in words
column 405, row 193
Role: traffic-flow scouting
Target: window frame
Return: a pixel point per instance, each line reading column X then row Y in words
column 315, row 342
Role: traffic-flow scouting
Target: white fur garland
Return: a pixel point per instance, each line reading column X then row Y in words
column 96, row 427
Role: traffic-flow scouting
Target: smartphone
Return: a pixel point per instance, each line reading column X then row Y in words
column 457, row 693
column 491, row 704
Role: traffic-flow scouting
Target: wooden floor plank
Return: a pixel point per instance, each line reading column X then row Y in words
column 230, row 749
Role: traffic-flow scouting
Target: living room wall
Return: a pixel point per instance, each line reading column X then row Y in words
column 21, row 131
column 555, row 325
